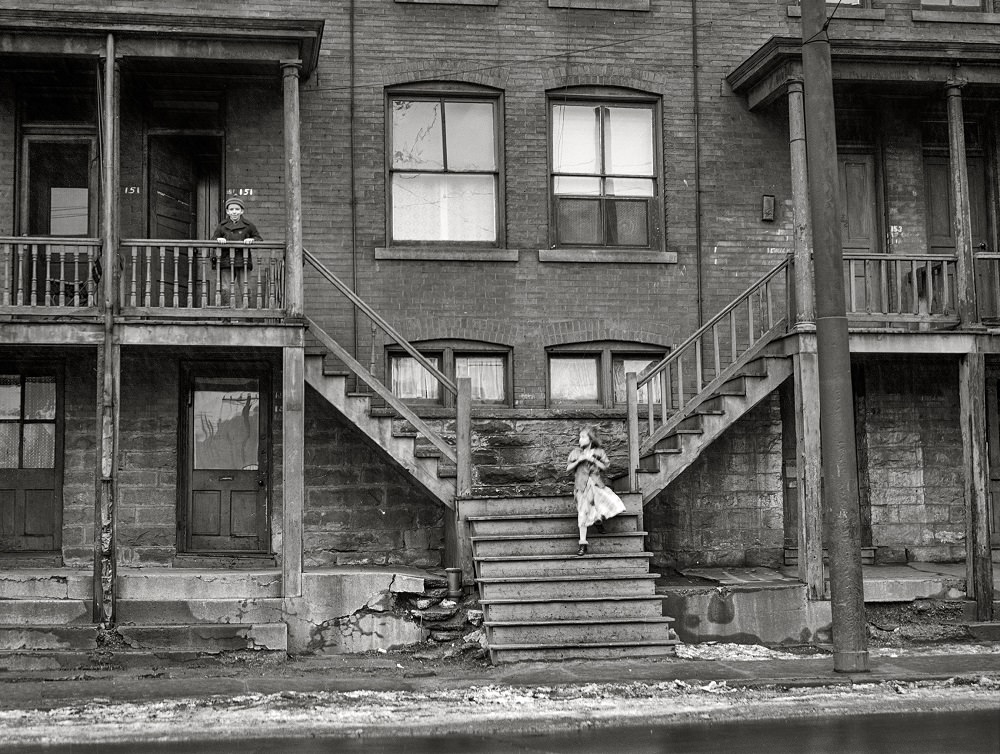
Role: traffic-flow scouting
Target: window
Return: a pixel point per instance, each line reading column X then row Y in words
column 484, row 364
column 594, row 373
column 952, row 4
column 444, row 176
column 27, row 422
column 605, row 176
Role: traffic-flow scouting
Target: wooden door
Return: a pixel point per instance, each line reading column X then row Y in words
column 173, row 211
column 859, row 227
column 228, row 461
column 993, row 440
column 30, row 461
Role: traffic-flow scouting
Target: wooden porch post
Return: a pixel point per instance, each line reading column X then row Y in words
column 805, row 309
column 972, row 400
column 293, row 469
column 962, row 218
column 293, row 189
column 458, row 548
column 809, row 468
column 109, row 352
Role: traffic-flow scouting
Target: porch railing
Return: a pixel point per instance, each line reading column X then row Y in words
column 202, row 278
column 715, row 353
column 43, row 273
column 901, row 288
column 988, row 285
column 461, row 453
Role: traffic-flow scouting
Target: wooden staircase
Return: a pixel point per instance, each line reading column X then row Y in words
column 543, row 602
column 716, row 411
column 423, row 461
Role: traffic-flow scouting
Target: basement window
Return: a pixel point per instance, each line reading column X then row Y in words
column 486, row 365
column 593, row 374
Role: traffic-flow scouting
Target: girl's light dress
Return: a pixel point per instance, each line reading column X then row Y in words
column 594, row 501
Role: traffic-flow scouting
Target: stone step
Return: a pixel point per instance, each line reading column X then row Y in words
column 572, row 609
column 568, row 586
column 985, row 630
column 582, row 651
column 46, row 583
column 603, row 630
column 29, row 612
column 208, row 638
column 545, row 523
column 553, row 544
column 568, row 564
column 194, row 584
column 509, row 506
column 48, row 637
column 171, row 612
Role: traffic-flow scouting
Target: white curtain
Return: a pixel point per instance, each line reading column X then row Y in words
column 574, row 379
column 487, row 375
column 411, row 381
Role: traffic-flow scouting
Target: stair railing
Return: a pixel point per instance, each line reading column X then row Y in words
column 692, row 371
column 461, row 389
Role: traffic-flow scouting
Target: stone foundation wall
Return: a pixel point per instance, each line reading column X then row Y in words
column 726, row 508
column 911, row 443
column 360, row 509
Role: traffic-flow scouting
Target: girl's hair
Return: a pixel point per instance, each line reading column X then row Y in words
column 595, row 439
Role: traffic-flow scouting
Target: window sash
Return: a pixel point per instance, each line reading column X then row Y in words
column 488, row 375
column 575, row 379
column 444, row 180
column 409, row 380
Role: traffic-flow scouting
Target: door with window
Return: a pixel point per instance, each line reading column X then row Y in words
column 227, row 451
column 30, row 460
column 58, row 199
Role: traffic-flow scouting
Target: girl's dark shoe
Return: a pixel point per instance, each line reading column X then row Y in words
column 599, row 525
column 582, row 550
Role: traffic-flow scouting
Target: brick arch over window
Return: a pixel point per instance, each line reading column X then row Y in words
column 619, row 76
column 445, row 71
column 570, row 333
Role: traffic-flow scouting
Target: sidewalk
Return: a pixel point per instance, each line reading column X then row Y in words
column 406, row 672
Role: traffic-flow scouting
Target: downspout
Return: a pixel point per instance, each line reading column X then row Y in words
column 695, row 64
column 354, row 194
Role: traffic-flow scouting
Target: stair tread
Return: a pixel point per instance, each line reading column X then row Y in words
column 567, row 556
column 570, row 535
column 516, row 516
column 596, row 644
column 659, row 619
column 566, row 577
column 547, row 600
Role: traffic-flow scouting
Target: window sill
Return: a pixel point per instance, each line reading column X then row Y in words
column 640, row 5
column 606, row 256
column 450, row 2
column 853, row 14
column 424, row 254
column 956, row 17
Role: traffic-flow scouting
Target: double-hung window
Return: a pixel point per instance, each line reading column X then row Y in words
column 605, row 176
column 444, row 175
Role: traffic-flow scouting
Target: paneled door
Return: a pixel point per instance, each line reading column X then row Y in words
column 30, row 460
column 228, row 460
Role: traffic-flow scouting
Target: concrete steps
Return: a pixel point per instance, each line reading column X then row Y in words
column 162, row 611
column 423, row 462
column 543, row 602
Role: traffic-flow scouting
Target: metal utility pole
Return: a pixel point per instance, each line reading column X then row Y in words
column 840, row 473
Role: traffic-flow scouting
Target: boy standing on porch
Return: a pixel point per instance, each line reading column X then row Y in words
column 233, row 264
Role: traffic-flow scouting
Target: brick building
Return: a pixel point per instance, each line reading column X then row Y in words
column 479, row 217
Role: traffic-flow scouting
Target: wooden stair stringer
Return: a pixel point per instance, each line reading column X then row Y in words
column 379, row 430
column 691, row 446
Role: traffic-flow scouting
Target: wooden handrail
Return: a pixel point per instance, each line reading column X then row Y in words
column 196, row 243
column 759, row 327
column 54, row 240
column 389, row 330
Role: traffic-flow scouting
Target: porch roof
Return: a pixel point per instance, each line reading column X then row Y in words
column 763, row 76
column 254, row 40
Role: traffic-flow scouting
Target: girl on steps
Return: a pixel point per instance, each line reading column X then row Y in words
column 595, row 503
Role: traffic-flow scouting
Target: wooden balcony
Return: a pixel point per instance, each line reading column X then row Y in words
column 901, row 291
column 202, row 279
column 49, row 276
